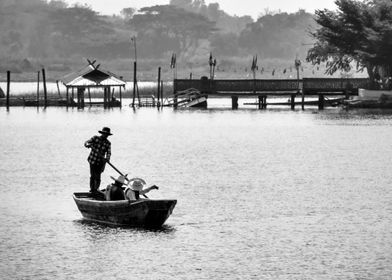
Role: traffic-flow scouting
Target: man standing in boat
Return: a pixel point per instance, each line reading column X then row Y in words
column 100, row 153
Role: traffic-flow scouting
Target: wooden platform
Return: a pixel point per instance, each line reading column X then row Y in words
column 262, row 88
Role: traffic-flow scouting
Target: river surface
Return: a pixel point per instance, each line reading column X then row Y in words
column 262, row 194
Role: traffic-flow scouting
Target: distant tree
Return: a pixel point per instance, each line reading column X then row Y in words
column 127, row 13
column 357, row 33
column 78, row 28
column 58, row 4
column 176, row 24
column 224, row 22
column 277, row 35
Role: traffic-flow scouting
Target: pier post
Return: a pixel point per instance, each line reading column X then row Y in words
column 45, row 92
column 120, row 96
column 159, row 87
column 321, row 102
column 134, row 83
column 161, row 93
column 260, row 103
column 8, row 89
column 104, row 97
column 38, row 73
column 120, row 89
column 234, row 102
column 67, row 97
column 175, row 94
column 80, row 98
column 73, row 96
column 89, row 95
column 265, row 102
column 58, row 88
column 292, row 101
column 303, row 101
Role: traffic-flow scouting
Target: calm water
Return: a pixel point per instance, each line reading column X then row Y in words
column 269, row 194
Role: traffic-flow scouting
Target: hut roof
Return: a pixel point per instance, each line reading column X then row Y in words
column 92, row 76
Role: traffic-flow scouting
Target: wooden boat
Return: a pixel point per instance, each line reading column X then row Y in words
column 143, row 212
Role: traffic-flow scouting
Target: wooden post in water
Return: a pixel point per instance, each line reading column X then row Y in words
column 73, row 96
column 111, row 97
column 80, row 97
column 134, row 83
column 321, row 102
column 89, row 95
column 175, row 105
column 8, row 89
column 45, row 92
column 120, row 89
column 159, row 87
column 67, row 96
column 105, row 97
column 161, row 93
column 265, row 102
column 234, row 102
column 292, row 101
column 58, row 88
column 260, row 104
column 38, row 73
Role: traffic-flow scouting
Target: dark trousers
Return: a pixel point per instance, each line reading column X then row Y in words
column 95, row 176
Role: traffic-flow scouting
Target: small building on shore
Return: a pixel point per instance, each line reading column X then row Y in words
column 92, row 77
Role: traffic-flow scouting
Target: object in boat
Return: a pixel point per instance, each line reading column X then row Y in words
column 142, row 212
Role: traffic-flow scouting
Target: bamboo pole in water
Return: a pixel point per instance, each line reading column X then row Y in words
column 120, row 89
column 161, row 93
column 159, row 87
column 134, row 83
column 38, row 79
column 89, row 95
column 58, row 88
column 67, row 96
column 45, row 92
column 8, row 89
column 72, row 97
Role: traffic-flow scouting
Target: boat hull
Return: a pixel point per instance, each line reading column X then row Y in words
column 143, row 212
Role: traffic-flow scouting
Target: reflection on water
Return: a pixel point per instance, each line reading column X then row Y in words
column 272, row 194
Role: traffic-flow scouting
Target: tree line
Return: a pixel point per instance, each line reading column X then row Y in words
column 52, row 32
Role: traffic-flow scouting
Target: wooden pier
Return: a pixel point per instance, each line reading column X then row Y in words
column 264, row 88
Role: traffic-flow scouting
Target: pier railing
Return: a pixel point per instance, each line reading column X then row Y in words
column 309, row 86
column 329, row 85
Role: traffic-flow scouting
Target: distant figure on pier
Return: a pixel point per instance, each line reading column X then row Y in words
column 115, row 191
column 136, row 189
column 100, row 153
column 2, row 94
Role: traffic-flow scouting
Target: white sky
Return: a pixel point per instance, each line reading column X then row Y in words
column 232, row 7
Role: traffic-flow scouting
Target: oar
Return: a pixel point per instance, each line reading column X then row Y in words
column 119, row 172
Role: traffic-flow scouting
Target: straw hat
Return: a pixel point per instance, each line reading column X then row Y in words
column 120, row 179
column 136, row 184
column 105, row 130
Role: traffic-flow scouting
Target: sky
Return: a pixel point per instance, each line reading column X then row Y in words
column 233, row 7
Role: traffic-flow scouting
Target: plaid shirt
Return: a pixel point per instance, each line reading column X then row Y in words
column 99, row 147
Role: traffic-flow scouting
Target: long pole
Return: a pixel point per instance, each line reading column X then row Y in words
column 161, row 93
column 45, row 92
column 119, row 172
column 58, row 88
column 134, row 83
column 38, row 78
column 159, row 86
column 303, row 96
column 8, row 89
column 133, row 39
